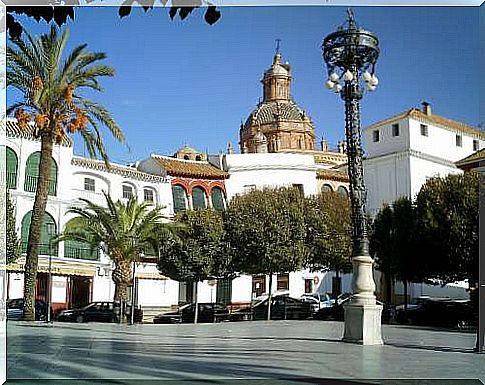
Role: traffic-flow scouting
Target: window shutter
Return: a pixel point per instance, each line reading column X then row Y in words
column 179, row 198
column 217, row 199
column 198, row 198
column 12, row 165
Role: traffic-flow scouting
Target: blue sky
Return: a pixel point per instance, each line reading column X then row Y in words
column 185, row 82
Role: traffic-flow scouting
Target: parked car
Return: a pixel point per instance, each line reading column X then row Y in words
column 208, row 312
column 282, row 307
column 98, row 312
column 334, row 312
column 15, row 309
column 317, row 301
column 440, row 313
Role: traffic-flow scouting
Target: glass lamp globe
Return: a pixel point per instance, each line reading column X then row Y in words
column 334, row 77
column 348, row 76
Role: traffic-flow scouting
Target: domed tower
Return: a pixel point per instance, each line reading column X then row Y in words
column 278, row 118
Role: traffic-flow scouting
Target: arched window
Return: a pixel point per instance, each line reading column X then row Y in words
column 32, row 174
column 186, row 157
column 12, row 166
column 326, row 188
column 179, row 198
column 217, row 197
column 198, row 198
column 47, row 231
column 343, row 191
column 198, row 157
column 78, row 249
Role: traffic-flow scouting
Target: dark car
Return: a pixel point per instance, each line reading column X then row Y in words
column 440, row 313
column 283, row 307
column 15, row 309
column 98, row 312
column 208, row 312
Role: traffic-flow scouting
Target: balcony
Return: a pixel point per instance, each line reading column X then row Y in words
column 31, row 184
column 80, row 253
column 44, row 249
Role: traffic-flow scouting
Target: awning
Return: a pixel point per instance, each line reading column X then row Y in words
column 59, row 268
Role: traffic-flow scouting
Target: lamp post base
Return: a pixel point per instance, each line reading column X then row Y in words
column 362, row 324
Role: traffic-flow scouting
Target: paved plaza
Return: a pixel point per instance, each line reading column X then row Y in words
column 246, row 351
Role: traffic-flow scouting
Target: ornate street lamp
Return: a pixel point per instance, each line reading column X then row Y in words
column 350, row 54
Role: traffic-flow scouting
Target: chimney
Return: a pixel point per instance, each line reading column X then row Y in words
column 426, row 108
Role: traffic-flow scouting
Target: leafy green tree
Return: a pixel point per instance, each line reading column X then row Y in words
column 393, row 245
column 50, row 81
column 328, row 221
column 266, row 229
column 13, row 244
column 124, row 231
column 448, row 226
column 200, row 251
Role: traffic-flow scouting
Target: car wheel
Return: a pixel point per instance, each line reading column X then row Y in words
column 80, row 319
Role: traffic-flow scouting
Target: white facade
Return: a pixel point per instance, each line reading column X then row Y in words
column 249, row 171
column 79, row 177
column 405, row 150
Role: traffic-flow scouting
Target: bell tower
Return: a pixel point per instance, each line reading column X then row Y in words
column 277, row 79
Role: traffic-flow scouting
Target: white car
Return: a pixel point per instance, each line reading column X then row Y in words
column 318, row 301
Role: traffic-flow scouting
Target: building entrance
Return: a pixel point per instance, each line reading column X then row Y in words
column 80, row 291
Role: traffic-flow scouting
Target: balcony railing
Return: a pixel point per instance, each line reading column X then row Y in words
column 44, row 249
column 31, row 184
column 80, row 253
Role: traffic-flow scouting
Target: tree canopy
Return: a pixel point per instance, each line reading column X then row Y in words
column 267, row 230
column 200, row 251
column 328, row 219
column 448, row 227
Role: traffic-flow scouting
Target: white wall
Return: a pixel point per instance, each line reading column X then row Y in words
column 422, row 169
column 269, row 170
column 387, row 143
column 386, row 178
column 441, row 142
column 162, row 293
column 241, row 288
column 15, row 285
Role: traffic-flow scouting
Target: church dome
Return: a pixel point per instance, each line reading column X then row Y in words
column 269, row 112
column 260, row 137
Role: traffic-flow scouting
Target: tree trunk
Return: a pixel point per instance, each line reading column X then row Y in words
column 196, row 300
column 405, row 283
column 38, row 211
column 269, row 295
column 122, row 277
column 336, row 285
column 388, row 288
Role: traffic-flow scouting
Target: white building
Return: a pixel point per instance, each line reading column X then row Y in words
column 79, row 276
column 406, row 149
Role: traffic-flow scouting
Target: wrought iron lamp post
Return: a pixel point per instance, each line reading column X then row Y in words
column 350, row 54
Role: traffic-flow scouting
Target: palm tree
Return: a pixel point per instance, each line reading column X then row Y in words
column 124, row 231
column 49, row 82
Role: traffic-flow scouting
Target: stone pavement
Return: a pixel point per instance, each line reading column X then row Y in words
column 247, row 351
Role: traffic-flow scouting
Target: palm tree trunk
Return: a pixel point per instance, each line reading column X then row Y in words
column 122, row 277
column 38, row 211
